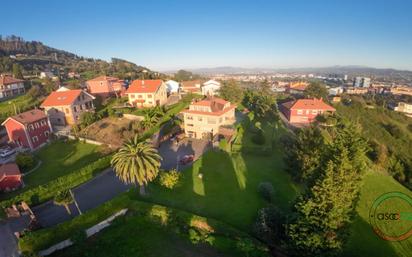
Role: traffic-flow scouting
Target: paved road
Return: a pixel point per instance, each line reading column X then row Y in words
column 91, row 194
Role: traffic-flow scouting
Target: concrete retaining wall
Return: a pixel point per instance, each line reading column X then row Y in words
column 89, row 232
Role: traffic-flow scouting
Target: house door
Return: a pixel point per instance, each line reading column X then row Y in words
column 157, row 102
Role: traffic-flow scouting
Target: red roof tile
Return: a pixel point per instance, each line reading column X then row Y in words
column 144, row 86
column 308, row 104
column 59, row 98
column 9, row 169
column 29, row 116
column 7, row 80
column 104, row 78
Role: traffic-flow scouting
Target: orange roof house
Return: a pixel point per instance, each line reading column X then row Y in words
column 296, row 87
column 204, row 118
column 106, row 86
column 147, row 93
column 191, row 86
column 304, row 110
column 64, row 106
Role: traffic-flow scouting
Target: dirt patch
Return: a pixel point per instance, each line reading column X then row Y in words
column 113, row 131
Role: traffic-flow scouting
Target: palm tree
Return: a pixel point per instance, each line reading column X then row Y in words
column 136, row 163
column 64, row 198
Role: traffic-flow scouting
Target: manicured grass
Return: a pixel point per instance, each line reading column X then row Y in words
column 228, row 188
column 59, row 158
column 363, row 241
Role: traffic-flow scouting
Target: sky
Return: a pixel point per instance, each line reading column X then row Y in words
column 175, row 34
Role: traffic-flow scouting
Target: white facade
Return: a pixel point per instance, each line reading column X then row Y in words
column 172, row 86
column 335, row 91
column 210, row 87
column 404, row 107
column 46, row 74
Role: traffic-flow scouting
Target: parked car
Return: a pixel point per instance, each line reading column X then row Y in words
column 6, row 152
column 187, row 159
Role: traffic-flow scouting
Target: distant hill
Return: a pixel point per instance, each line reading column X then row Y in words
column 35, row 57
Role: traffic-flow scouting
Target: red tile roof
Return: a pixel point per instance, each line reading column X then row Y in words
column 29, row 116
column 9, row 169
column 308, row 104
column 104, row 78
column 217, row 106
column 144, row 86
column 191, row 83
column 7, row 80
column 59, row 98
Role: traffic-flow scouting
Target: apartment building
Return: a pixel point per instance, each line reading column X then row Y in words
column 204, row 118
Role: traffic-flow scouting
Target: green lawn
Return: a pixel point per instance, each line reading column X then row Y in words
column 58, row 159
column 22, row 103
column 228, row 189
column 363, row 241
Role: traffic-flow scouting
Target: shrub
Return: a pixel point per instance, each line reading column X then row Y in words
column 269, row 224
column 223, row 145
column 25, row 161
column 266, row 190
column 170, row 179
column 259, row 138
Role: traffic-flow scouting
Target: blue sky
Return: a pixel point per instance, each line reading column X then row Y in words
column 174, row 34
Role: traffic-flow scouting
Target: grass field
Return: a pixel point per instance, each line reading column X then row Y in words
column 58, row 159
column 22, row 103
column 227, row 190
column 363, row 241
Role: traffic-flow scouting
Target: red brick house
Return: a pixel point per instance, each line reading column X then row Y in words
column 10, row 177
column 304, row 110
column 29, row 129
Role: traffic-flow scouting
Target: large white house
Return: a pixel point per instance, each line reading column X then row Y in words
column 172, row 86
column 210, row 88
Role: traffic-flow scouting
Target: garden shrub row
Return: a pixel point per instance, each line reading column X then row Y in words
column 47, row 191
column 196, row 228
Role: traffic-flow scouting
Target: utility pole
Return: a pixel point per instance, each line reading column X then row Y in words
column 75, row 202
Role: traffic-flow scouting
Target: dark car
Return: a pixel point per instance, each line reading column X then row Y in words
column 187, row 159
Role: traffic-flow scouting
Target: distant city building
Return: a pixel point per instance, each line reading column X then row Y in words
column 404, row 108
column 10, row 86
column 361, row 82
column 297, row 87
column 335, row 90
column 345, row 77
column 401, row 90
column 356, row 90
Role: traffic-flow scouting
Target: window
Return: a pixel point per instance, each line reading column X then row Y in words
column 132, row 96
column 139, row 96
column 35, row 139
column 190, row 117
column 211, row 121
column 74, row 108
column 46, row 133
column 67, row 110
column 300, row 112
column 149, row 96
column 190, row 125
column 220, row 120
column 31, row 127
column 314, row 112
column 150, row 102
column 199, row 118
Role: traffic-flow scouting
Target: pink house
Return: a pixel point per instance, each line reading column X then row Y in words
column 10, row 177
column 105, row 86
column 304, row 111
column 29, row 129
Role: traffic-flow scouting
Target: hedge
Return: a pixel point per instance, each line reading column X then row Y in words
column 47, row 191
column 174, row 220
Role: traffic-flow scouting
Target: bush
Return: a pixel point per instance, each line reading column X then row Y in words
column 266, row 190
column 25, row 161
column 259, row 138
column 170, row 179
column 223, row 145
column 269, row 224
